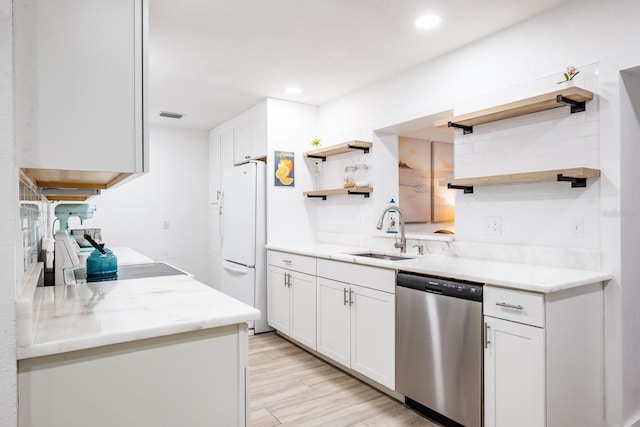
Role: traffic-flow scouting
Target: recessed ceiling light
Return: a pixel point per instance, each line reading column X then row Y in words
column 293, row 90
column 427, row 21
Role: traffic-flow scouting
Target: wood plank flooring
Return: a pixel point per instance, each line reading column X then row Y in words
column 291, row 387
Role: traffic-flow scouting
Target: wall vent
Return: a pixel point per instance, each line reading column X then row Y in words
column 171, row 115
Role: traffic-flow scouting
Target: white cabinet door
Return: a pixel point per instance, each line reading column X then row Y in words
column 241, row 143
column 215, row 163
column 303, row 308
column 514, row 375
column 226, row 152
column 250, row 139
column 79, row 85
column 334, row 320
column 373, row 334
column 278, row 305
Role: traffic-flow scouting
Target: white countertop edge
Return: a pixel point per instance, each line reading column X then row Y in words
column 53, row 309
column 528, row 277
column 56, row 347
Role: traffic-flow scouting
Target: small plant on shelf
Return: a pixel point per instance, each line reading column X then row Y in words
column 569, row 74
column 315, row 143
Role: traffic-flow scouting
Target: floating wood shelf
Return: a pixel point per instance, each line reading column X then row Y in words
column 575, row 97
column 577, row 177
column 323, row 153
column 72, row 185
column 322, row 194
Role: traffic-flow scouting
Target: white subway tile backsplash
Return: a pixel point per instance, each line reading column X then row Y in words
column 536, row 213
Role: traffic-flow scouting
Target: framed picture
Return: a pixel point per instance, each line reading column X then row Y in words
column 442, row 198
column 414, row 178
column 283, row 168
column 422, row 165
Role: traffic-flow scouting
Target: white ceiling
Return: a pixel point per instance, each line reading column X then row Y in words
column 212, row 59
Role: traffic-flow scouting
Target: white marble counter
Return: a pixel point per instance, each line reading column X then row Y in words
column 528, row 277
column 71, row 318
column 57, row 319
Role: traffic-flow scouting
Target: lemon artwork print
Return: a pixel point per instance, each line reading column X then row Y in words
column 284, row 161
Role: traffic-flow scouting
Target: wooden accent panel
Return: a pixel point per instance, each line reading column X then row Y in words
column 543, row 102
column 54, row 178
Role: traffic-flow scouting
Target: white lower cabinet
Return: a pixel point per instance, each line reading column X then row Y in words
column 514, row 374
column 356, row 323
column 291, row 307
column 543, row 358
column 291, row 296
column 195, row 379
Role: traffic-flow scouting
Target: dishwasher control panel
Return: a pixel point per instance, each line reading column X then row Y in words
column 442, row 286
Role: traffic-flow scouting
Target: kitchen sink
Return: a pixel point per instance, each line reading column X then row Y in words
column 381, row 256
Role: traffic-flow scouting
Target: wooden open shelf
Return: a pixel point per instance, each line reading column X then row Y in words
column 577, row 177
column 323, row 153
column 574, row 96
column 322, row 194
column 72, row 185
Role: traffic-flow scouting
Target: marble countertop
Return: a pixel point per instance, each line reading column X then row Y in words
column 76, row 317
column 529, row 277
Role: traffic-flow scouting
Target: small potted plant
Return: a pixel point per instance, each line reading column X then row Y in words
column 569, row 74
column 315, row 143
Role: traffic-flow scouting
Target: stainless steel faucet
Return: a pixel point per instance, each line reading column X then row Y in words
column 402, row 244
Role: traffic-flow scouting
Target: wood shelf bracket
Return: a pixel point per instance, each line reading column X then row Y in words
column 316, row 196
column 576, row 106
column 465, row 129
column 575, row 182
column 312, row 156
column 468, row 189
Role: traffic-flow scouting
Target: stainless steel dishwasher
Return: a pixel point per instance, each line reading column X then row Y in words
column 439, row 348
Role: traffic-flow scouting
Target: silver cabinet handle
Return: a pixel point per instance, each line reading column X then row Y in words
column 344, row 296
column 350, row 296
column 286, row 277
column 289, row 281
column 486, row 335
column 287, row 261
column 507, row 305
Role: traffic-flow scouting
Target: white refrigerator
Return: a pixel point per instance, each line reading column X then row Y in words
column 243, row 274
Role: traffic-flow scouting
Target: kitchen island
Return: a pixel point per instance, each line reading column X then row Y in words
column 146, row 352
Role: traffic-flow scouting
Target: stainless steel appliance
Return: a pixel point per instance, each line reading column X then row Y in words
column 439, row 347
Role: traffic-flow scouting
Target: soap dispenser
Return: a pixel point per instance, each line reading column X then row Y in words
column 392, row 225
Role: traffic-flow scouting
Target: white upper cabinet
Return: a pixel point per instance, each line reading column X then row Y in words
column 80, row 85
column 250, row 135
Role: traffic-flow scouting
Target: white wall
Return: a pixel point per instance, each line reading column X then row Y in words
column 176, row 191
column 504, row 67
column 8, row 217
column 291, row 218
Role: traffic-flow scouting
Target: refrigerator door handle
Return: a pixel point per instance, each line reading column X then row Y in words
column 235, row 268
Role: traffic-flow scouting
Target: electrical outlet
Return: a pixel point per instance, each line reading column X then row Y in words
column 493, row 225
column 576, row 227
column 165, row 224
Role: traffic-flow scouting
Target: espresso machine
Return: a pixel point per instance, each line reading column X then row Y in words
column 66, row 249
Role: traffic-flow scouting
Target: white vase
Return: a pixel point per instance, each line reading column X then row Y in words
column 566, row 84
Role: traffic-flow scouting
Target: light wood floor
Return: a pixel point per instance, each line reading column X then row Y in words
column 291, row 387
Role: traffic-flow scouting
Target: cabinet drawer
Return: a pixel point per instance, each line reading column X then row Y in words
column 381, row 279
column 518, row 306
column 301, row 263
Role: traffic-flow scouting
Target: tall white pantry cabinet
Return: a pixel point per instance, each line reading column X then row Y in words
column 543, row 357
column 80, row 83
